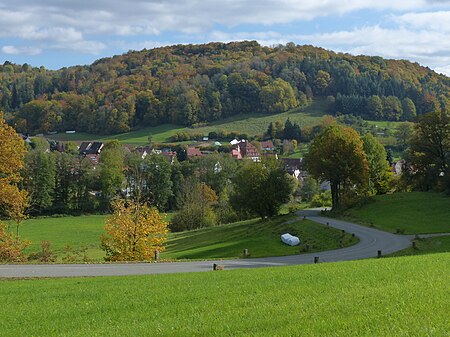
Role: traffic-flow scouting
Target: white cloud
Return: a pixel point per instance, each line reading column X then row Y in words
column 417, row 30
column 438, row 21
column 13, row 50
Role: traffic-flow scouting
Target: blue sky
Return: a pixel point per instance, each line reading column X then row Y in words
column 62, row 33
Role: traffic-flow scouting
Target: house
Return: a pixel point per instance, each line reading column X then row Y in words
column 193, row 152
column 268, row 149
column 90, row 148
column 267, row 145
column 144, row 151
column 234, row 142
column 295, row 167
column 171, row 156
column 244, row 149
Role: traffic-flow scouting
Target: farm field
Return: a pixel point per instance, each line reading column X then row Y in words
column 404, row 296
column 405, row 213
column 77, row 239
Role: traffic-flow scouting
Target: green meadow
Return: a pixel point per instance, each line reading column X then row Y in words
column 406, row 213
column 402, row 297
column 260, row 237
column 77, row 238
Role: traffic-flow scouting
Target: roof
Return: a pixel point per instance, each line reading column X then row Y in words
column 267, row 145
column 293, row 163
column 193, row 152
column 90, row 148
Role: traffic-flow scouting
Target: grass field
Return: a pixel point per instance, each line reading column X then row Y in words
column 407, row 213
column 251, row 124
column 406, row 296
column 261, row 238
column 440, row 244
column 77, row 232
column 76, row 239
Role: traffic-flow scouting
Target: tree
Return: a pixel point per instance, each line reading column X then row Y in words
column 261, row 188
column 409, row 109
column 374, row 108
column 134, row 232
column 111, row 170
column 403, row 133
column 13, row 201
column 149, row 179
column 309, row 188
column 429, row 151
column 322, row 80
column 196, row 210
column 380, row 173
column 337, row 155
column 39, row 179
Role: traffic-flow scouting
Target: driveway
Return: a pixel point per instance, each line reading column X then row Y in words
column 371, row 241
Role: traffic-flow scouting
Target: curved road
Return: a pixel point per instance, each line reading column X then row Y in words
column 371, row 241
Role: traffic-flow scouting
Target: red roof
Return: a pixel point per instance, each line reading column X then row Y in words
column 193, row 152
column 267, row 145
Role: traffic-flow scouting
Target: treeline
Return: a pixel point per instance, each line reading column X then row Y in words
column 189, row 84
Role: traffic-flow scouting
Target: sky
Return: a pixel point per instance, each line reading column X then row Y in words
column 63, row 33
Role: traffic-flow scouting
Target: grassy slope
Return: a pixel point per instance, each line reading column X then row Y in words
column 407, row 296
column 252, row 124
column 228, row 241
column 440, row 244
column 415, row 212
column 261, row 238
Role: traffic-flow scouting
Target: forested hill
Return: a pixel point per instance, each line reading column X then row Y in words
column 188, row 84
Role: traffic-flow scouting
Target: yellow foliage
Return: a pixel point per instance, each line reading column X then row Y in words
column 12, row 153
column 11, row 248
column 134, row 232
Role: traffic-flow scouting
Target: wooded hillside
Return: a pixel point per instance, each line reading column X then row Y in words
column 189, row 84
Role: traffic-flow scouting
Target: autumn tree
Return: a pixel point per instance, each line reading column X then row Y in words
column 337, row 155
column 134, row 232
column 13, row 201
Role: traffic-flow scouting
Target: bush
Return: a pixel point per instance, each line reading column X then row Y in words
column 11, row 247
column 321, row 200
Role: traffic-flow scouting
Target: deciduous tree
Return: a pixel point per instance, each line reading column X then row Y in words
column 134, row 232
column 337, row 155
column 13, row 201
column 261, row 188
column 380, row 173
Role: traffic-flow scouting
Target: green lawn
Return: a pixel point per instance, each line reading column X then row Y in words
column 408, row 213
column 405, row 296
column 78, row 232
column 261, row 238
column 440, row 244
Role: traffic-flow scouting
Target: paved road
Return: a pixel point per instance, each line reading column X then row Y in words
column 371, row 240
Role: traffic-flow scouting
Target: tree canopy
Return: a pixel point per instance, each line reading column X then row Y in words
column 189, row 84
column 261, row 188
column 337, row 155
